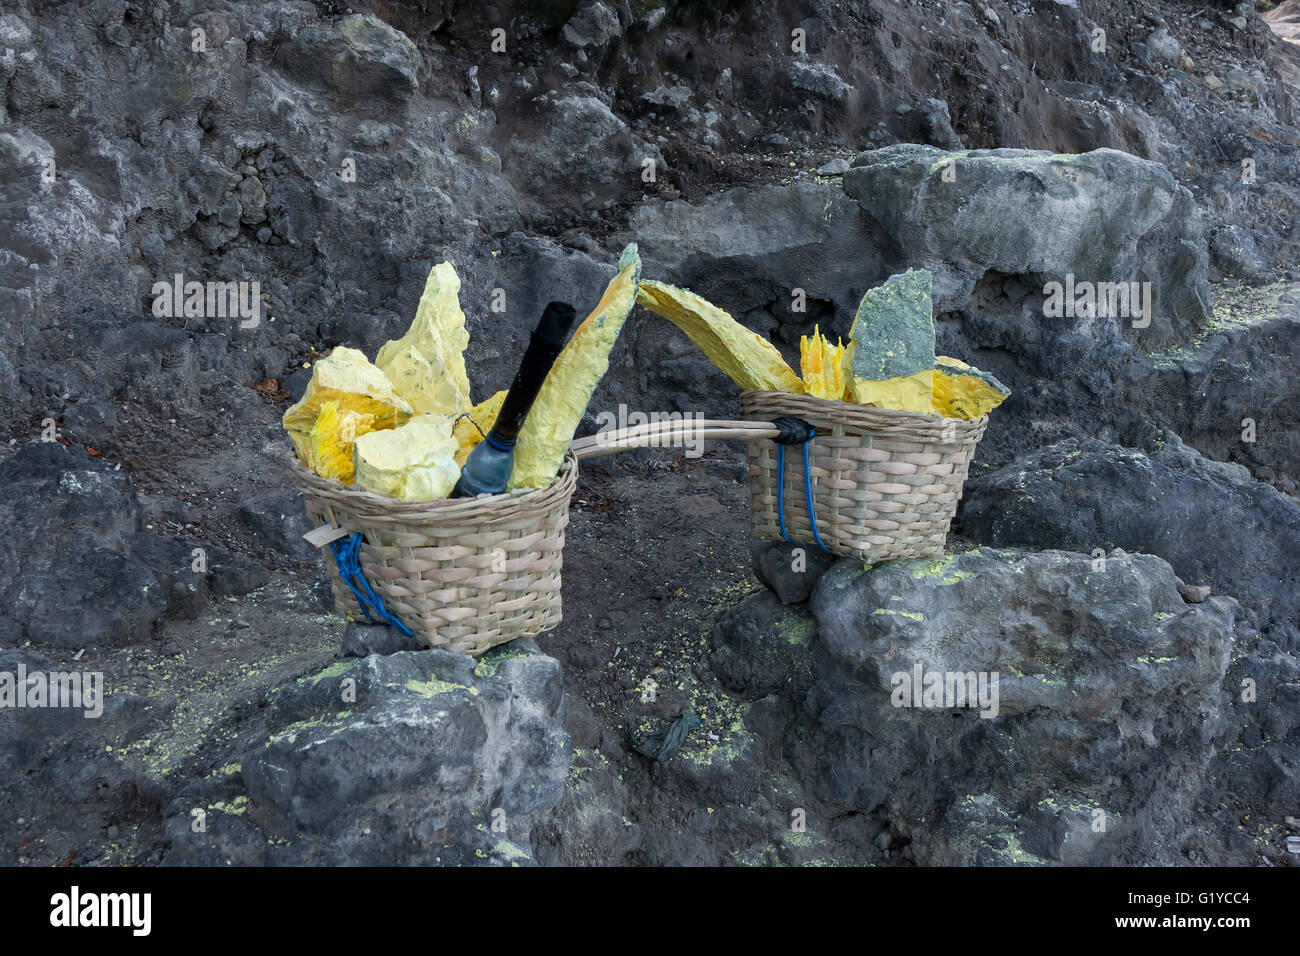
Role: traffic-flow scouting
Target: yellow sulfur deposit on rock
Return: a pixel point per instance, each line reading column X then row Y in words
column 346, row 377
column 332, row 437
column 437, row 335
column 564, row 396
column 414, row 462
column 962, row 391
column 474, row 426
column 890, row 359
column 750, row 360
column 822, row 366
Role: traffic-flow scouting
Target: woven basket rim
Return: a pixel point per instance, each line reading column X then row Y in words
column 366, row 504
column 896, row 422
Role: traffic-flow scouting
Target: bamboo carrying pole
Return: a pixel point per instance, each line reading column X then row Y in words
column 656, row 434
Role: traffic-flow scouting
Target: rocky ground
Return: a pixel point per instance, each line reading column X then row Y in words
column 334, row 154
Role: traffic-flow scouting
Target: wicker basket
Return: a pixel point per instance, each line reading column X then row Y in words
column 463, row 574
column 885, row 483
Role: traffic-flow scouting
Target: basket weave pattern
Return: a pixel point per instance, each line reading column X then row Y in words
column 885, row 483
column 463, row 574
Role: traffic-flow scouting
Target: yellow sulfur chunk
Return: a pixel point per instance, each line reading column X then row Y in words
column 962, row 391
column 414, row 462
column 578, row 369
column 426, row 385
column 438, row 333
column 821, row 365
column 332, row 437
column 750, row 360
column 471, row 429
column 910, row 393
column 345, row 376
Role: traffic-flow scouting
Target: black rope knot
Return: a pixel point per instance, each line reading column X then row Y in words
column 792, row 430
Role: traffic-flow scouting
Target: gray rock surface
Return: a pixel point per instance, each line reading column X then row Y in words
column 929, row 122
column 77, row 567
column 358, row 58
column 1164, row 49
column 56, row 759
column 1108, row 700
column 595, row 24
column 1210, row 520
column 750, row 249
column 834, row 167
column 579, row 152
column 762, row 648
column 1038, row 216
column 362, row 640
column 820, row 79
column 1234, row 253
column 278, row 518
column 416, row 757
column 791, row 571
column 67, row 576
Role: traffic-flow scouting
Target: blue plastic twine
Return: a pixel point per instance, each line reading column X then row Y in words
column 347, row 554
column 807, row 490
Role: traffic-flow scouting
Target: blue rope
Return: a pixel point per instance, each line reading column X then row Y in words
column 347, row 554
column 807, row 490
column 780, row 490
